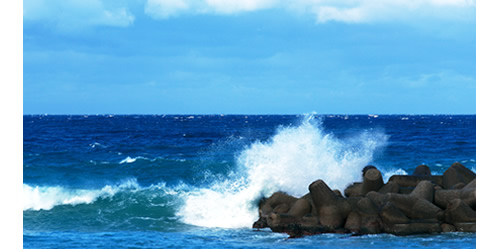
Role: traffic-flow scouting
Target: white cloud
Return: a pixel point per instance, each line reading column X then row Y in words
column 166, row 8
column 454, row 2
column 74, row 14
column 68, row 14
column 390, row 10
column 327, row 13
column 170, row 8
column 231, row 6
column 350, row 11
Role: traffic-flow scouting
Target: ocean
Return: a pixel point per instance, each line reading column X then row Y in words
column 194, row 181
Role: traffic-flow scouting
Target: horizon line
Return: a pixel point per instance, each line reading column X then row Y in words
column 240, row 114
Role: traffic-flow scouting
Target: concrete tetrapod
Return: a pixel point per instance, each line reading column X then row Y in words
column 405, row 205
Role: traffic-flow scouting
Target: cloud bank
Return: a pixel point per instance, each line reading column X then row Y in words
column 75, row 13
column 350, row 11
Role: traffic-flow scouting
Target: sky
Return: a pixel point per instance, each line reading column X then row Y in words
column 249, row 57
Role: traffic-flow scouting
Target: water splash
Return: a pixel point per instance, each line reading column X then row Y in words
column 289, row 161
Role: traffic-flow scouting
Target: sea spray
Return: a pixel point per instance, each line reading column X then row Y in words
column 289, row 161
column 387, row 173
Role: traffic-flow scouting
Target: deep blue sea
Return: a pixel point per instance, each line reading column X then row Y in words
column 193, row 181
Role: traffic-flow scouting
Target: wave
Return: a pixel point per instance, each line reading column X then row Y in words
column 129, row 159
column 124, row 206
column 289, row 161
column 46, row 197
column 97, row 145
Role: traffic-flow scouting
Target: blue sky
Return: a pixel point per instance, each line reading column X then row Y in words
column 249, row 57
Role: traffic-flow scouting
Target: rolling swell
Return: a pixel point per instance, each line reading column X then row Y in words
column 124, row 206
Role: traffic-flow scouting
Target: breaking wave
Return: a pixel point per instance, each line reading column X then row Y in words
column 289, row 161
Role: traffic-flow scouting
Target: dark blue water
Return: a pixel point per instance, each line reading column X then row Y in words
column 158, row 181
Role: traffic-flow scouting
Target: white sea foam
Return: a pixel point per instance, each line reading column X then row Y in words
column 133, row 159
column 128, row 160
column 386, row 174
column 292, row 159
column 47, row 197
column 96, row 144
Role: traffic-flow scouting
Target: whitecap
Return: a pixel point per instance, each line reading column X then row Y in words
column 46, row 197
column 96, row 144
column 128, row 160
